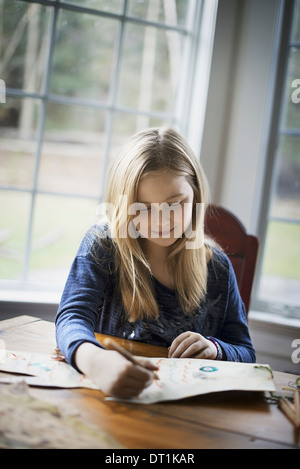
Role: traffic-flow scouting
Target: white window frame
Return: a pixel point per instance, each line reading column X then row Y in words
column 24, row 298
column 277, row 88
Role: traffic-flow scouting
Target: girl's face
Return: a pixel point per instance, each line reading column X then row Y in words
column 164, row 208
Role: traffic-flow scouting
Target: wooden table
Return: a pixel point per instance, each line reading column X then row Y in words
column 219, row 420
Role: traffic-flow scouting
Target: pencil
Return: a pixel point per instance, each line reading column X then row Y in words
column 112, row 345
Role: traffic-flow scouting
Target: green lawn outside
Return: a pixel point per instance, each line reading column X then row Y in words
column 67, row 218
column 282, row 253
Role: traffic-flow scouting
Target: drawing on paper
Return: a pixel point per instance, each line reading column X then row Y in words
column 39, row 369
column 178, row 377
column 181, row 378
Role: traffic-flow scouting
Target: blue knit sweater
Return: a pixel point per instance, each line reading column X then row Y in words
column 91, row 303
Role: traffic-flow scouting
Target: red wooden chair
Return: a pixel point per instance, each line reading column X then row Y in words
column 241, row 248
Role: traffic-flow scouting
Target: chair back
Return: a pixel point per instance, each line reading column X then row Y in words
column 241, row 248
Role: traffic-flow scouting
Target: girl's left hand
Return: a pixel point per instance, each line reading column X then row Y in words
column 191, row 344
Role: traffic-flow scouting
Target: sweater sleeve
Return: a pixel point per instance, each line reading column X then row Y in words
column 81, row 300
column 234, row 338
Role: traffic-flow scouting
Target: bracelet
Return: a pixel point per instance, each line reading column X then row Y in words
column 218, row 347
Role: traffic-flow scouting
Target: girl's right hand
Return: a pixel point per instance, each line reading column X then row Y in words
column 116, row 376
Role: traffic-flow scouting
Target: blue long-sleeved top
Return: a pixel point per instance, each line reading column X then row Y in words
column 91, row 303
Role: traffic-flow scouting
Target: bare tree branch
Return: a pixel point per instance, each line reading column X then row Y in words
column 14, row 41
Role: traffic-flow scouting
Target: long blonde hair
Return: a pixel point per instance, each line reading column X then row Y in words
column 153, row 151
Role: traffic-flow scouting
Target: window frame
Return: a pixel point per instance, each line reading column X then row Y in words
column 283, row 43
column 13, row 292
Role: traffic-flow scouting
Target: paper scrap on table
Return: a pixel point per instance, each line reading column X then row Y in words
column 184, row 377
column 41, row 370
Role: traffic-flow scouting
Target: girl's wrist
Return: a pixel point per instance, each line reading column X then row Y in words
column 84, row 357
column 218, row 347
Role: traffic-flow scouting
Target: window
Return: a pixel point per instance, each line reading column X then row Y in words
column 80, row 77
column 279, row 285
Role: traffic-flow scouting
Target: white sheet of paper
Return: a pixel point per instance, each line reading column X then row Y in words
column 179, row 377
column 184, row 377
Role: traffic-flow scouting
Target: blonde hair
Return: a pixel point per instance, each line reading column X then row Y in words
column 151, row 151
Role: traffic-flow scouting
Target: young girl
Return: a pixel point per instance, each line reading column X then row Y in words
column 148, row 274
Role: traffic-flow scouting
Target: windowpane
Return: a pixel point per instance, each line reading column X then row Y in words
column 24, row 44
column 171, row 12
column 112, row 6
column 73, row 150
column 280, row 275
column 109, row 75
column 286, row 198
column 150, row 68
column 18, row 134
column 280, row 282
column 291, row 110
column 14, row 210
column 296, row 26
column 83, row 55
column 59, row 225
